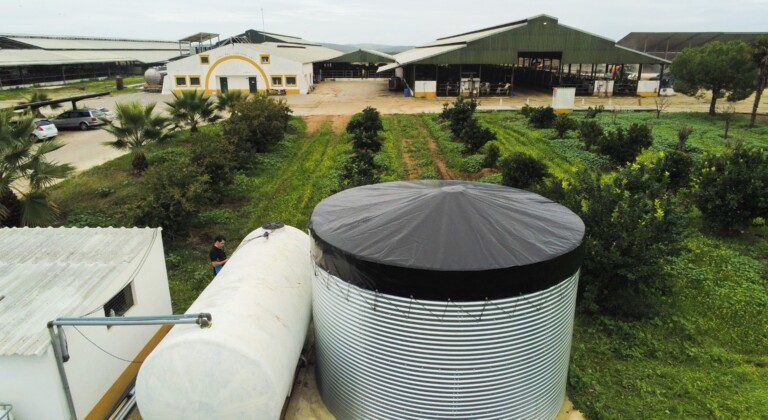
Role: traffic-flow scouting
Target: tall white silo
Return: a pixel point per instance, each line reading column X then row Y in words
column 443, row 299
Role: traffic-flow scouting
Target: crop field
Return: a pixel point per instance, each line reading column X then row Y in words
column 704, row 357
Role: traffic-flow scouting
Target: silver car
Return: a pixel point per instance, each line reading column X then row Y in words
column 83, row 119
column 44, row 130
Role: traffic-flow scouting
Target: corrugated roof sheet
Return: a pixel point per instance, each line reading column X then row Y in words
column 74, row 43
column 668, row 44
column 47, row 273
column 472, row 36
column 419, row 53
column 10, row 57
column 364, row 56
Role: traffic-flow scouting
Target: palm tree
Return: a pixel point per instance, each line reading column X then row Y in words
column 25, row 171
column 138, row 126
column 190, row 108
column 226, row 101
column 38, row 96
column 760, row 57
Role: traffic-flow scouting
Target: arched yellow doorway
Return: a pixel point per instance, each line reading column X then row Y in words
column 232, row 57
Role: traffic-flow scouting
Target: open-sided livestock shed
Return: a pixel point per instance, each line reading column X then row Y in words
column 537, row 52
column 361, row 63
column 667, row 45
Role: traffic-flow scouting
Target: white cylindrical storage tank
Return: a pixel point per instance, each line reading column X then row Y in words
column 443, row 299
column 243, row 365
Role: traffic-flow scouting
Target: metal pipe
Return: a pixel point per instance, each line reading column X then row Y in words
column 202, row 319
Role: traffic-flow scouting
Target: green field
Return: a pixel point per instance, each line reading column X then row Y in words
column 705, row 357
column 71, row 89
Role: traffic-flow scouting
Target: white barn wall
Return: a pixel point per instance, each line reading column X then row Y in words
column 238, row 62
column 36, row 391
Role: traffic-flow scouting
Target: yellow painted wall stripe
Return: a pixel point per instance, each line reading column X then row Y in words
column 233, row 57
column 102, row 408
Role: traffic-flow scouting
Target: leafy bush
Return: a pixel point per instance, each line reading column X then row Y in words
column 472, row 164
column 678, row 165
column 370, row 142
column 590, row 132
column 541, row 117
column 593, row 112
column 175, row 192
column 492, row 154
column 622, row 145
column 216, row 158
column 564, row 124
column 368, row 122
column 256, row 125
column 359, row 169
column 476, row 136
column 521, row 170
column 732, row 188
column 634, row 224
column 459, row 115
column 526, row 110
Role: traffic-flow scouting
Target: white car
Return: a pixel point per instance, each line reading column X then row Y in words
column 44, row 130
column 109, row 115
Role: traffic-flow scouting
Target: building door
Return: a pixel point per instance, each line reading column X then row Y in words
column 252, row 85
column 223, row 85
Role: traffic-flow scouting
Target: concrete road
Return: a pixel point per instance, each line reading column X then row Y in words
column 85, row 149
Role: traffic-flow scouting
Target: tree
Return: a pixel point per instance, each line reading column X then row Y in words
column 138, row 125
column 190, row 108
column 256, row 125
column 520, row 170
column 38, row 96
column 25, row 171
column 367, row 122
column 459, row 114
column 725, row 69
column 661, row 103
column 226, row 101
column 760, row 59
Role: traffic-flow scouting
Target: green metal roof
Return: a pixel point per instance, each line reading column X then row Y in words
column 364, row 56
column 502, row 44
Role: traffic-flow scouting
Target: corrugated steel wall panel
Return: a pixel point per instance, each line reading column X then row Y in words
column 387, row 357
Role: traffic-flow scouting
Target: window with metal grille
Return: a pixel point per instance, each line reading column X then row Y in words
column 120, row 303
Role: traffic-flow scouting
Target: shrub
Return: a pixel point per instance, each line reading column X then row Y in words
column 215, row 157
column 370, row 142
column 256, row 125
column 492, row 154
column 678, row 165
column 526, row 110
column 472, row 164
column 521, row 170
column 359, row 169
column 459, row 115
column 622, row 145
column 476, row 136
column 564, row 124
column 732, row 188
column 590, row 132
column 541, row 117
column 367, row 122
column 634, row 224
column 593, row 112
column 175, row 192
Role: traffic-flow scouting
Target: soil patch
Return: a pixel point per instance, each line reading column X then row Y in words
column 413, row 172
column 339, row 123
column 442, row 168
column 314, row 122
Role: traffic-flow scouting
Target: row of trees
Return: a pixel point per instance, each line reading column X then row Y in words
column 732, row 70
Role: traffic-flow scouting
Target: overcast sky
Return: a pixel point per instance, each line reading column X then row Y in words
column 402, row 22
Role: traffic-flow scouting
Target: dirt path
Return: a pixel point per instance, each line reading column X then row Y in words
column 314, row 122
column 413, row 171
column 339, row 123
column 442, row 169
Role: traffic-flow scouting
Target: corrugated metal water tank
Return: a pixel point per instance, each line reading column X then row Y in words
column 443, row 299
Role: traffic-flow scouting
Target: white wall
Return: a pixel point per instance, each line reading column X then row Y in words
column 32, row 383
column 563, row 99
column 237, row 69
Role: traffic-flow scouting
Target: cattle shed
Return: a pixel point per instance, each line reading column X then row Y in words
column 362, row 63
column 38, row 59
column 536, row 53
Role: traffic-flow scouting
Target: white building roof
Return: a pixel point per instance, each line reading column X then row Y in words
column 83, row 43
column 46, row 273
column 419, row 53
column 11, row 57
column 296, row 52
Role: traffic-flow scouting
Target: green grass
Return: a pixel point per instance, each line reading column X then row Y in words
column 705, row 357
column 71, row 89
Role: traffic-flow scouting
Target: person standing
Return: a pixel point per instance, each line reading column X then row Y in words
column 217, row 254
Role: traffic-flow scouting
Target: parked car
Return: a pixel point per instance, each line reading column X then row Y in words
column 44, row 129
column 83, row 119
column 109, row 115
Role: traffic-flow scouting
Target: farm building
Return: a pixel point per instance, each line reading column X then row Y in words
column 48, row 273
column 32, row 59
column 275, row 67
column 537, row 52
column 362, row 63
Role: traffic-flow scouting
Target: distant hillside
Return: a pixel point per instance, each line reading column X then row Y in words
column 389, row 49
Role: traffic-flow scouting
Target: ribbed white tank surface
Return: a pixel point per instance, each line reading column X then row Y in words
column 387, row 357
column 243, row 365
